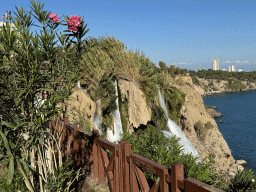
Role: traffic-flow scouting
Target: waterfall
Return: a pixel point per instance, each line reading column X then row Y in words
column 174, row 129
column 118, row 130
column 96, row 121
column 78, row 84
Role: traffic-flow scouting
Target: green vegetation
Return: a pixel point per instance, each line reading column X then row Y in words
column 195, row 80
column 174, row 100
column 152, row 144
column 201, row 129
column 30, row 61
column 123, row 106
column 225, row 75
column 78, row 117
column 243, row 181
column 235, row 84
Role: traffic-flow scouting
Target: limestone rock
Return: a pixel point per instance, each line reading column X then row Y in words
column 233, row 169
column 212, row 112
column 138, row 110
column 80, row 102
column 193, row 112
column 241, row 162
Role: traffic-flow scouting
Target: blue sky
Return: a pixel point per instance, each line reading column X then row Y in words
column 184, row 33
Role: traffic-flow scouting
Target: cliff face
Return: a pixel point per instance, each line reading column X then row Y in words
column 194, row 111
column 79, row 107
column 136, row 112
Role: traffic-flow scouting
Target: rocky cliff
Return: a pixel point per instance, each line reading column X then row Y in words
column 194, row 112
column 197, row 124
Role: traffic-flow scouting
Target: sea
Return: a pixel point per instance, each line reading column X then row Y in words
column 239, row 123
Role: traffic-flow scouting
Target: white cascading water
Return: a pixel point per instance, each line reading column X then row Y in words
column 96, row 121
column 78, row 84
column 118, row 130
column 174, row 129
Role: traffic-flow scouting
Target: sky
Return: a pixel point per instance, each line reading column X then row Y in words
column 184, row 33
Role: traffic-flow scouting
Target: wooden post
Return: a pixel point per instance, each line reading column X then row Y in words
column 124, row 151
column 94, row 164
column 65, row 121
column 116, row 170
column 176, row 173
column 163, row 183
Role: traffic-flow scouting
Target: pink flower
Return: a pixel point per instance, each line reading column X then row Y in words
column 73, row 23
column 54, row 17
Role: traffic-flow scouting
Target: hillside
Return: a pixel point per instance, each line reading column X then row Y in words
column 139, row 101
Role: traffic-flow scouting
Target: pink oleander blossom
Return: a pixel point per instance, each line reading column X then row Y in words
column 53, row 17
column 73, row 23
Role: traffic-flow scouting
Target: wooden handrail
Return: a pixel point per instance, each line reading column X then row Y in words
column 123, row 168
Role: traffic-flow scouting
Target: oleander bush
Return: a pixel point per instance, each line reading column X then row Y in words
column 31, row 61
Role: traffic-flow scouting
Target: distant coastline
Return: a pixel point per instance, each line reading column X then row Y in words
column 228, row 91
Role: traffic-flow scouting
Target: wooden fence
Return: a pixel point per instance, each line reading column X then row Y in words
column 122, row 169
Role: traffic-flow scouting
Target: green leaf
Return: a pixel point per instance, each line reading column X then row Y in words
column 10, row 171
column 6, row 143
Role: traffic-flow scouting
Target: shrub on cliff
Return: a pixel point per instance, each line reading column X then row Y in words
column 174, row 100
column 243, row 181
column 195, row 80
column 201, row 129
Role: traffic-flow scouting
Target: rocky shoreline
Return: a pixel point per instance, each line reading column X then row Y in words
column 211, row 111
column 229, row 91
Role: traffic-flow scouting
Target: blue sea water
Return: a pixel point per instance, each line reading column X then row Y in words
column 239, row 123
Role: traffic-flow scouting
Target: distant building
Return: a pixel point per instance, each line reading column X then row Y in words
column 215, row 64
column 240, row 70
column 231, row 68
column 224, row 70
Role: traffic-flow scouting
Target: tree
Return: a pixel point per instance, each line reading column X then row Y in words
column 28, row 62
column 162, row 65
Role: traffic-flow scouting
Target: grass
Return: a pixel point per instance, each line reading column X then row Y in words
column 92, row 185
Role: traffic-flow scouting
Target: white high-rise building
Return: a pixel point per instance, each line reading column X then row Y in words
column 215, row 64
column 231, row 68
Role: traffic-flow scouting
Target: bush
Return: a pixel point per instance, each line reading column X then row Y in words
column 174, row 100
column 195, row 80
column 202, row 129
column 243, row 181
column 208, row 125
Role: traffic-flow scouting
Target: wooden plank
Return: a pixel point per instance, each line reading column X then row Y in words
column 108, row 164
column 193, row 185
column 155, row 187
column 147, row 164
column 180, row 184
column 116, row 170
column 106, row 144
column 100, row 163
column 133, row 181
column 141, row 179
column 108, row 168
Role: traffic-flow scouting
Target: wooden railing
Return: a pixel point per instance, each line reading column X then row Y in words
column 122, row 169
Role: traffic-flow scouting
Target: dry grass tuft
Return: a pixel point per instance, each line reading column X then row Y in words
column 92, row 185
